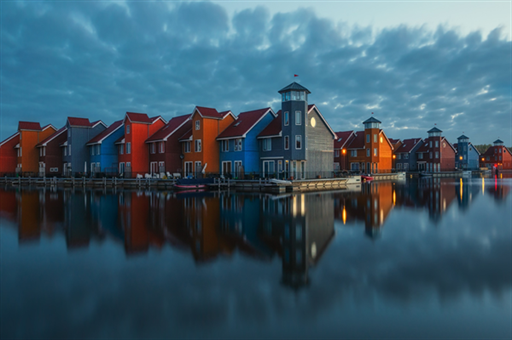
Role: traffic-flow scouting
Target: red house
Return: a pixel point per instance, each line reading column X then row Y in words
column 436, row 154
column 8, row 155
column 497, row 156
column 340, row 150
column 50, row 153
column 164, row 146
column 133, row 150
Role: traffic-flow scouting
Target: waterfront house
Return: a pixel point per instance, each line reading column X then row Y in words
column 76, row 154
column 132, row 147
column 405, row 155
column 299, row 139
column 343, row 139
column 467, row 157
column 396, row 143
column 497, row 156
column 8, row 154
column 239, row 149
column 165, row 150
column 103, row 152
column 200, row 146
column 436, row 154
column 31, row 134
column 50, row 153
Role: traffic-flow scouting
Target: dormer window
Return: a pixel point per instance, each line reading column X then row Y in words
column 197, row 124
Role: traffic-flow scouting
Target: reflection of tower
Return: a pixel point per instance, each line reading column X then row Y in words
column 379, row 202
column 466, row 193
column 134, row 211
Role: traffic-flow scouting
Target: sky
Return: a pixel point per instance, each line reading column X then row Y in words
column 414, row 64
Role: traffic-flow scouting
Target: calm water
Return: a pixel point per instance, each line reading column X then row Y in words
column 416, row 259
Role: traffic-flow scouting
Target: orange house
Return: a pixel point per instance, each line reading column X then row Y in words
column 133, row 150
column 31, row 134
column 8, row 154
column 371, row 151
column 200, row 146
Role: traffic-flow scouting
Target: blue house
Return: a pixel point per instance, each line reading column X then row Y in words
column 467, row 157
column 239, row 148
column 103, row 152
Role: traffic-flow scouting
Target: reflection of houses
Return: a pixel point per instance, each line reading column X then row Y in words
column 466, row 193
column 134, row 218
column 498, row 189
column 435, row 196
column 29, row 214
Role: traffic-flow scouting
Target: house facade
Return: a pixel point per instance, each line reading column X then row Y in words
column 132, row 147
column 341, row 156
column 50, row 153
column 165, row 150
column 200, row 147
column 497, row 157
column 103, row 152
column 468, row 156
column 436, row 154
column 30, row 134
column 75, row 153
column 9, row 154
column 239, row 146
column 405, row 154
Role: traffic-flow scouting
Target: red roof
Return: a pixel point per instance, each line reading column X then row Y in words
column 224, row 113
column 105, row 133
column 154, row 119
column 273, row 128
column 120, row 140
column 244, row 123
column 186, row 136
column 29, row 126
column 211, row 112
column 48, row 126
column 358, row 141
column 138, row 117
column 343, row 137
column 52, row 136
column 74, row 121
column 423, row 148
column 408, row 145
column 17, row 134
column 169, row 128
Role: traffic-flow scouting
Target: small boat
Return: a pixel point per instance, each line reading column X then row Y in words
column 192, row 183
column 366, row 178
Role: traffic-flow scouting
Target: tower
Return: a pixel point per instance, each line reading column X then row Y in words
column 371, row 143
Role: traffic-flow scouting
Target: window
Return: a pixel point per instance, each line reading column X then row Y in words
column 153, row 148
column 488, row 158
column 267, row 144
column 92, row 150
column 381, row 139
column 430, row 154
column 430, row 144
column 238, row 168
column 375, row 151
column 336, row 166
column 353, row 153
column 286, row 118
column 336, row 153
column 444, row 145
column 367, row 152
column 238, row 144
column 65, row 151
column 197, row 145
column 298, row 142
column 44, row 151
column 69, row 151
column 406, row 156
column 224, row 145
column 437, row 154
column 367, row 138
column 198, row 167
column 375, row 138
column 127, row 129
column 161, row 166
column 128, row 149
column 437, row 143
column 399, row 156
column 399, row 166
column 128, row 165
column 198, row 125
column 298, row 232
column 406, row 166
column 121, row 149
column 162, row 147
column 98, row 148
column 420, row 155
column 499, row 150
column 186, row 147
column 298, row 118
column 40, row 152
column 286, row 142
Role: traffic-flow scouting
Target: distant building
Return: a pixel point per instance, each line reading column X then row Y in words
column 50, row 153
column 103, row 153
column 9, row 154
column 341, row 155
column 31, row 134
column 405, row 155
column 496, row 156
column 467, row 157
column 436, row 154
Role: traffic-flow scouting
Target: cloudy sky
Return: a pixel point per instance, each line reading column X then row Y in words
column 414, row 64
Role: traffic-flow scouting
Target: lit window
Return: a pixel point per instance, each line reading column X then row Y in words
column 381, row 139
column 375, row 151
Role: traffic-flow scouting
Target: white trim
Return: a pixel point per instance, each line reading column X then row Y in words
column 101, row 140
column 164, row 139
column 271, row 157
column 9, row 138
column 53, row 136
column 272, row 136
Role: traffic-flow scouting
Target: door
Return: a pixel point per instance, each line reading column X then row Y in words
column 121, row 168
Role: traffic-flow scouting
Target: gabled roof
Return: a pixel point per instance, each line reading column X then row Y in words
column 51, row 137
column 48, row 126
column 17, row 134
column 313, row 106
column 294, row 87
column 168, row 129
column 187, row 136
column 33, row 126
column 343, row 138
column 273, row 129
column 463, row 137
column 244, row 123
column 455, row 145
column 93, row 124
column 423, row 148
column 154, row 119
column 358, row 141
column 434, row 129
column 76, row 121
column 120, row 140
column 498, row 141
column 478, row 152
column 372, row 120
column 450, row 144
column 105, row 133
column 212, row 113
column 408, row 145
column 387, row 139
column 393, row 140
column 138, row 118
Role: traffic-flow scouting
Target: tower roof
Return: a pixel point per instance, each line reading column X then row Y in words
column 498, row 141
column 434, row 129
column 372, row 120
column 463, row 137
column 294, row 87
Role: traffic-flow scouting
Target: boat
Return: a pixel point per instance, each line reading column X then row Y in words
column 192, row 183
column 366, row 178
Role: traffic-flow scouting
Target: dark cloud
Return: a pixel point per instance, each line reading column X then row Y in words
column 100, row 60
